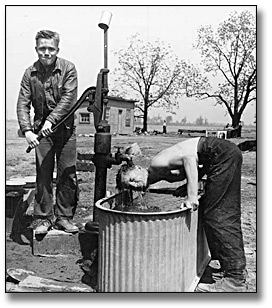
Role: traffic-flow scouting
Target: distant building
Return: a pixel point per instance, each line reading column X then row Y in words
column 119, row 114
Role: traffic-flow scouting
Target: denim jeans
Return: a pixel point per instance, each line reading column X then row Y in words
column 220, row 206
column 60, row 146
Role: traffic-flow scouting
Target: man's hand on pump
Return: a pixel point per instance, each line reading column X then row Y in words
column 31, row 139
column 46, row 129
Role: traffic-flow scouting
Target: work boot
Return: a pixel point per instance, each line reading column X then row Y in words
column 226, row 284
column 65, row 225
column 217, row 274
column 212, row 275
column 41, row 226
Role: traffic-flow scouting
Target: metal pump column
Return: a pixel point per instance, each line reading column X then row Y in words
column 102, row 138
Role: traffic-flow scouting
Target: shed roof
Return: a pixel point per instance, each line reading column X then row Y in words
column 116, row 98
column 111, row 98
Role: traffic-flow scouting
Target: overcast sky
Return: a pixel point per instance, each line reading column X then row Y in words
column 82, row 43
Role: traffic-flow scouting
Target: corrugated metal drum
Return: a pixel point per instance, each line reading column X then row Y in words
column 149, row 252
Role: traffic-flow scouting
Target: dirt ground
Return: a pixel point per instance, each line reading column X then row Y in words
column 65, row 268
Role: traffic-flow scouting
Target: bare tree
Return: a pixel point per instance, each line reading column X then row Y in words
column 150, row 73
column 229, row 54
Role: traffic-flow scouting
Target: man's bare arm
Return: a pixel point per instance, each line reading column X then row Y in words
column 190, row 166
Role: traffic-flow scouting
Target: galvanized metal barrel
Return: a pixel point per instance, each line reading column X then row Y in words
column 149, row 252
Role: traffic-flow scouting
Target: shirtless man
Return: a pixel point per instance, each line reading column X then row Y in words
column 220, row 206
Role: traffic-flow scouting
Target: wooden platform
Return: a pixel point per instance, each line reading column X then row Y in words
column 57, row 242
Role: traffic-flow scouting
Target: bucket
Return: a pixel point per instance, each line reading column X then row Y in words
column 149, row 251
column 14, row 195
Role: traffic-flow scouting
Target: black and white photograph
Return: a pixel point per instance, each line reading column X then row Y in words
column 130, row 149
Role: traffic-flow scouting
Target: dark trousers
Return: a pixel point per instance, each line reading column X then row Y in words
column 220, row 206
column 61, row 146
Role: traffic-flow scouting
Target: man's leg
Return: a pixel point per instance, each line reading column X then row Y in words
column 43, row 209
column 67, row 185
column 222, row 220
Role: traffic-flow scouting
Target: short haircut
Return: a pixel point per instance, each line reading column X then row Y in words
column 47, row 34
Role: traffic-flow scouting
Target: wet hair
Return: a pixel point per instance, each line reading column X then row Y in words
column 47, row 34
column 124, row 174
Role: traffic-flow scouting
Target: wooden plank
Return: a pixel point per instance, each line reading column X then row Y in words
column 50, row 285
column 84, row 166
column 85, row 156
column 188, row 131
column 15, row 288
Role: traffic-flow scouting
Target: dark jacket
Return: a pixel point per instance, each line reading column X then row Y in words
column 64, row 84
